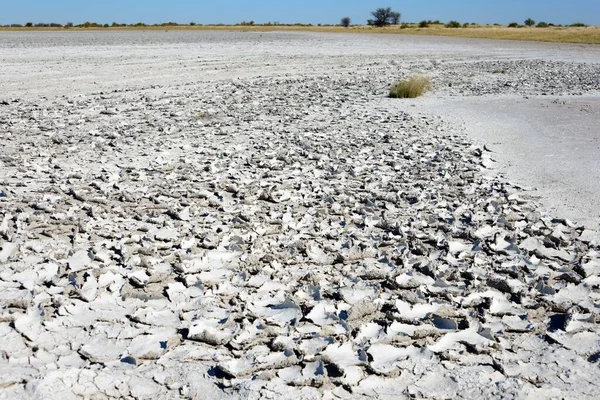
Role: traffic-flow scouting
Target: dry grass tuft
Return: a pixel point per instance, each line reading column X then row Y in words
column 411, row 88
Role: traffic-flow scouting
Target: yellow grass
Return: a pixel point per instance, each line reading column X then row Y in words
column 590, row 35
column 410, row 88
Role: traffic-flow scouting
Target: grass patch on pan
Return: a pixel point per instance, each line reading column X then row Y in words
column 411, row 88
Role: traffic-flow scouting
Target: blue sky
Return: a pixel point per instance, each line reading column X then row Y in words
column 291, row 11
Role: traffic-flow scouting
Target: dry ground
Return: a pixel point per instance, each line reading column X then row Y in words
column 187, row 211
column 587, row 35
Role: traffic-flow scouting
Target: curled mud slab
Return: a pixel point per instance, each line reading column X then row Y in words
column 291, row 234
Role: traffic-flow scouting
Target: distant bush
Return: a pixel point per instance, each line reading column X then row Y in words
column 410, row 88
column 513, row 25
column 542, row 24
column 424, row 24
column 192, row 24
column 88, row 24
column 106, row 26
column 578, row 25
column 43, row 25
column 345, row 22
column 16, row 25
column 69, row 25
column 529, row 22
column 140, row 24
column 453, row 24
column 465, row 25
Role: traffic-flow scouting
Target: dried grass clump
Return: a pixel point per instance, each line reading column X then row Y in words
column 411, row 88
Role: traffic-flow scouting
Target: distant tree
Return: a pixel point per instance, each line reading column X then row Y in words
column 345, row 22
column 424, row 24
column 578, row 25
column 395, row 17
column 29, row 25
column 69, row 25
column 542, row 24
column 383, row 17
column 513, row 25
column 529, row 22
column 192, row 24
column 453, row 24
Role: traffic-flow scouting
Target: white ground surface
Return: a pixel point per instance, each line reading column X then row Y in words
column 550, row 146
column 549, row 143
column 167, row 192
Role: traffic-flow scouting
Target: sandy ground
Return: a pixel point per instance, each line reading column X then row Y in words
column 233, row 214
column 550, row 146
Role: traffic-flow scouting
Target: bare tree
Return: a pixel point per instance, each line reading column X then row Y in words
column 395, row 17
column 345, row 22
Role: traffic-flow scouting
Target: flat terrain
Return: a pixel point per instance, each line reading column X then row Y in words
column 204, row 214
column 585, row 35
column 550, row 146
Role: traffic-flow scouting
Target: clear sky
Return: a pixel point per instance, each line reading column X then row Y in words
column 292, row 11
